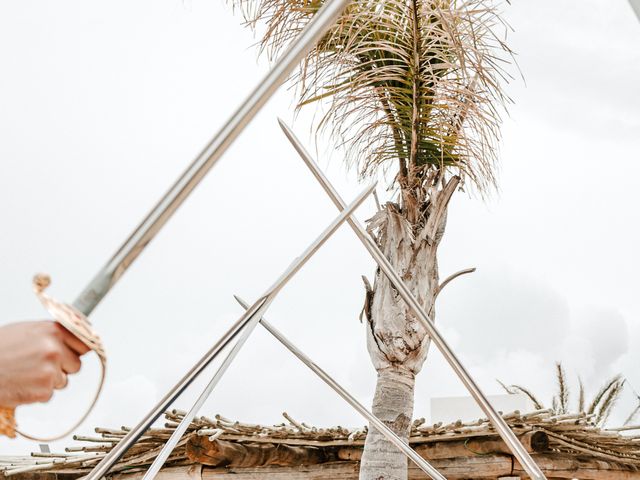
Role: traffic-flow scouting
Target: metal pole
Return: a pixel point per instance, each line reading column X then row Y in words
column 155, row 220
column 635, row 4
column 253, row 314
column 425, row 466
column 101, row 469
column 175, row 437
column 498, row 422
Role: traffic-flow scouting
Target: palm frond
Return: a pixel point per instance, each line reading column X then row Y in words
column 635, row 411
column 608, row 402
column 563, row 390
column 507, row 389
column 514, row 389
column 601, row 406
column 410, row 84
column 632, row 415
column 581, row 400
column 602, row 393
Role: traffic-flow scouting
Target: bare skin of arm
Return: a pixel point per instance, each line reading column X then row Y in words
column 35, row 359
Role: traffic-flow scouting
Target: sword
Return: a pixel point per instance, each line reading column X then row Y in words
column 107, row 277
column 498, row 422
column 248, row 320
column 425, row 466
column 74, row 318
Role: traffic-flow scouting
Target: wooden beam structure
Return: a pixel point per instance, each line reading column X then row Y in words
column 222, row 453
column 565, row 447
column 484, row 467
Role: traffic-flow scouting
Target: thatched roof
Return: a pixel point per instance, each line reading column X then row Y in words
column 565, row 446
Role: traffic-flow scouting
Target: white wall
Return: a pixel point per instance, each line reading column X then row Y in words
column 450, row 409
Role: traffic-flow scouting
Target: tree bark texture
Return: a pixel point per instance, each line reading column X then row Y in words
column 396, row 340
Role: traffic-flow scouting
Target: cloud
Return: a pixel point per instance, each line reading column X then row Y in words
column 509, row 326
column 497, row 310
column 128, row 399
column 599, row 338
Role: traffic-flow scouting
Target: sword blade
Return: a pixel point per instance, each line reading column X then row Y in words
column 116, row 453
column 252, row 315
column 107, row 277
column 425, row 466
column 635, row 4
column 182, row 427
column 498, row 422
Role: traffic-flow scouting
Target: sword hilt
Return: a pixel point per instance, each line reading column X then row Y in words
column 76, row 323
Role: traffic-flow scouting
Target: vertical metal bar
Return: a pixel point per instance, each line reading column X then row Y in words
column 254, row 312
column 425, row 466
column 100, row 285
column 498, row 422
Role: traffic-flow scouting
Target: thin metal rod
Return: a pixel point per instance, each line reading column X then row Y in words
column 254, row 312
column 116, row 453
column 498, row 422
column 635, row 4
column 100, row 285
column 175, row 437
column 425, row 466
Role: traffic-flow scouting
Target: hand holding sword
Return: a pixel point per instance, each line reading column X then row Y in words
column 36, row 357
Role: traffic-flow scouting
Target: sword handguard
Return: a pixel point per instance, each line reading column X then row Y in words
column 8, row 422
column 78, row 324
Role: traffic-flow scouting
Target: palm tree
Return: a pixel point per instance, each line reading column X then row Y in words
column 411, row 88
column 600, row 406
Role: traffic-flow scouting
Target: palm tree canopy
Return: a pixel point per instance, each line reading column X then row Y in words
column 409, row 84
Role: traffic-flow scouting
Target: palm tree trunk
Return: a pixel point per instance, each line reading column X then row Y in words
column 393, row 404
column 397, row 342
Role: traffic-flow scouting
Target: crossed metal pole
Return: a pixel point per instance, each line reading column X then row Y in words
column 249, row 326
column 498, row 422
column 249, row 319
column 108, row 276
column 166, row 450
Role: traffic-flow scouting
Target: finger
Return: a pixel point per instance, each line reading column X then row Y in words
column 73, row 342
column 61, row 381
column 69, row 360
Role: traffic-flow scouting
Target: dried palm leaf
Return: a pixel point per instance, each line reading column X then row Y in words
column 608, row 402
column 415, row 84
column 563, row 390
column 602, row 393
column 581, row 400
column 514, row 389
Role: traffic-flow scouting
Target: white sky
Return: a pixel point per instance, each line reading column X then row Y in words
column 103, row 104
